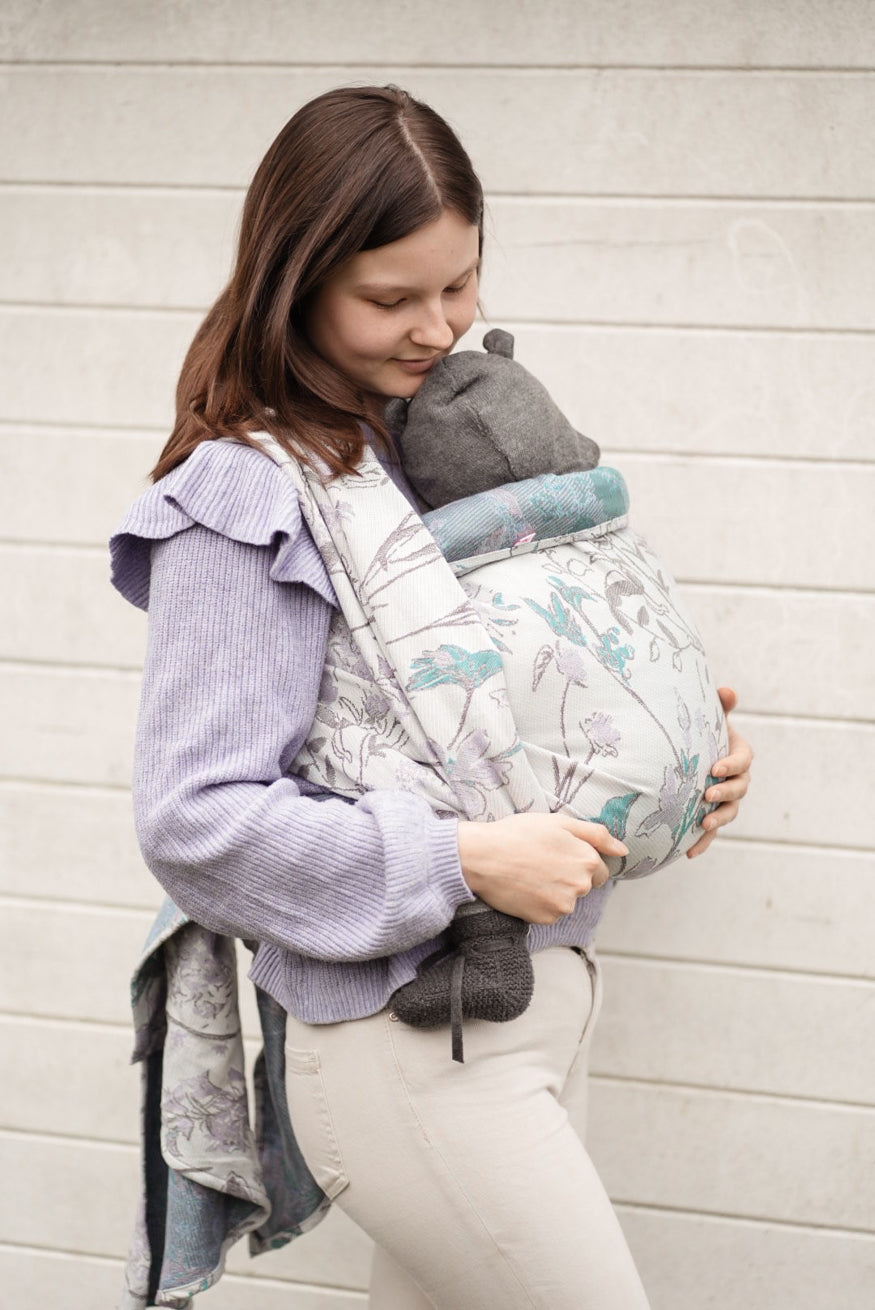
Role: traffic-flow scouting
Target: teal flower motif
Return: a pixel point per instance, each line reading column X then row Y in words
column 614, row 656
column 615, row 814
column 465, row 668
column 559, row 619
column 573, row 596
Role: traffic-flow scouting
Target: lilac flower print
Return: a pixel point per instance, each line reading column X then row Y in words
column 217, row 1116
column 472, row 771
column 678, row 800
column 601, row 733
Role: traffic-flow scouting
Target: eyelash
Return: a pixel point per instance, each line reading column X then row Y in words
column 452, row 291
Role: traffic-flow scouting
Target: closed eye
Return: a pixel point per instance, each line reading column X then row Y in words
column 456, row 290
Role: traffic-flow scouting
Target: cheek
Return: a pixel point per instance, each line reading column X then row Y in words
column 464, row 313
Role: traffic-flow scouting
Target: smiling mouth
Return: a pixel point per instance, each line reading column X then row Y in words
column 418, row 365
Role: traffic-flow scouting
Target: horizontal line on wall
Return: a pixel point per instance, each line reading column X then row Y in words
column 376, row 65
column 788, row 844
column 249, row 1280
column 732, row 1094
column 742, row 970
column 750, row 1221
column 686, row 329
column 22, row 1134
column 129, row 674
column 68, row 547
column 773, row 591
column 15, row 902
column 52, row 425
column 61, row 1253
column 802, row 720
column 26, row 1019
column 71, row 665
column 748, row 460
column 581, row 325
column 97, row 307
column 593, row 199
column 744, row 1093
column 104, row 788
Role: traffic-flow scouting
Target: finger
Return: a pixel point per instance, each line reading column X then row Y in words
column 733, row 789
column 701, row 845
column 734, row 764
column 597, row 835
column 728, row 699
column 722, row 815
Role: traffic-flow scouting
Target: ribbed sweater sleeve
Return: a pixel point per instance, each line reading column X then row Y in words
column 231, row 679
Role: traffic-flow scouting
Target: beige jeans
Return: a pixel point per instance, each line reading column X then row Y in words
column 471, row 1178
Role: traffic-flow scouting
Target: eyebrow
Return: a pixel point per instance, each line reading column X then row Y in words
column 386, row 288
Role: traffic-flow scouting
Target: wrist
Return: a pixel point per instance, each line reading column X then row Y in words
column 473, row 842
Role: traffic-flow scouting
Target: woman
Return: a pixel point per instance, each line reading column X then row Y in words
column 357, row 269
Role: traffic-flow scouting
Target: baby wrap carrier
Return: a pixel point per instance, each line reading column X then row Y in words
column 521, row 649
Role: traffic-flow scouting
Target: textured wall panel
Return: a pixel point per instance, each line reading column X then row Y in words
column 689, row 1262
column 62, row 608
column 711, row 392
column 69, row 962
column 66, row 726
column 750, row 521
column 71, row 843
column 565, row 261
column 785, row 907
column 739, row 1029
column 632, row 132
column 746, row 1156
column 740, row 393
column 83, row 1282
column 789, row 652
column 783, row 33
column 93, row 477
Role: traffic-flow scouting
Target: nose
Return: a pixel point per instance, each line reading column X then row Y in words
column 432, row 329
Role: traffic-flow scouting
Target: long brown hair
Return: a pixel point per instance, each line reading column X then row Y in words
column 354, row 169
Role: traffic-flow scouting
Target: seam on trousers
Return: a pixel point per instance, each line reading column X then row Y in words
column 506, row 1260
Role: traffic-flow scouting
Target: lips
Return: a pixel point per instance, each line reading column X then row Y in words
column 417, row 365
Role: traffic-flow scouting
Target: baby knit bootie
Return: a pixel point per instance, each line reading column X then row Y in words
column 483, row 972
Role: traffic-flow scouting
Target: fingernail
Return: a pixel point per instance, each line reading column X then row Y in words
column 719, row 771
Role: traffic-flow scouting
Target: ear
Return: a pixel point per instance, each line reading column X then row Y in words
column 499, row 342
column 395, row 415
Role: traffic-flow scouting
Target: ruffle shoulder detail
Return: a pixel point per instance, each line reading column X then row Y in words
column 231, row 489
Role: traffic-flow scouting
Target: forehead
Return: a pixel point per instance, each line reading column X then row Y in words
column 442, row 251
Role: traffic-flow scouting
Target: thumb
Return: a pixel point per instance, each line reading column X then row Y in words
column 598, row 836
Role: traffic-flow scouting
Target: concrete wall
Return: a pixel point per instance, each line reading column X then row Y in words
column 682, row 224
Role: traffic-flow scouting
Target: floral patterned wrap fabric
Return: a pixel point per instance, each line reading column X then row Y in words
column 207, row 1178
column 550, row 666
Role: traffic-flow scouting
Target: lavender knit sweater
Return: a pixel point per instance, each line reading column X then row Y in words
column 345, row 900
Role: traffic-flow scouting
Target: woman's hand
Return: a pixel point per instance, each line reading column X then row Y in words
column 535, row 866
column 734, row 772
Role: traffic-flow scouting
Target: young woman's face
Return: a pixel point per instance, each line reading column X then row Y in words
column 389, row 314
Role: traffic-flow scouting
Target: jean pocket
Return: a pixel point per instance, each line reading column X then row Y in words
column 311, row 1118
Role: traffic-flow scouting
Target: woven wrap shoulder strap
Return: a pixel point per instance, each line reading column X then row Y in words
column 416, row 635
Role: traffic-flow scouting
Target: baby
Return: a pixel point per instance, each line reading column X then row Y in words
column 606, row 675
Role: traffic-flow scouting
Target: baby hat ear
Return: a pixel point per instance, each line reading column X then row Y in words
column 395, row 415
column 499, row 342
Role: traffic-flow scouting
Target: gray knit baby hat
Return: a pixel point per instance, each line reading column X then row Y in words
column 480, row 420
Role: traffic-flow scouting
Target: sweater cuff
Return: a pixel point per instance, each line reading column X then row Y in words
column 446, row 876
